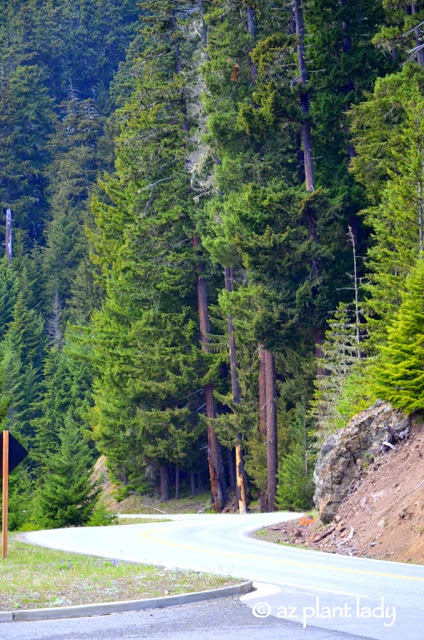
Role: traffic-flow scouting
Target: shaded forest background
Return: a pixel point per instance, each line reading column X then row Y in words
column 217, row 241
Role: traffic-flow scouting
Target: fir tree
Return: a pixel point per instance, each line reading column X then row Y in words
column 77, row 161
column 147, row 269
column 388, row 135
column 9, row 287
column 398, row 375
column 67, row 496
column 26, row 121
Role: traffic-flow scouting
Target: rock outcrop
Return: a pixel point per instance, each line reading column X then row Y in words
column 344, row 454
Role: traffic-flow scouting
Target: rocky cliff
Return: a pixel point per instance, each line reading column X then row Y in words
column 346, row 453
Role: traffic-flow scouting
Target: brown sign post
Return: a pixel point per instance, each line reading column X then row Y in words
column 11, row 454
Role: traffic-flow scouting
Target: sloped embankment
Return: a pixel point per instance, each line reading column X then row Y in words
column 382, row 512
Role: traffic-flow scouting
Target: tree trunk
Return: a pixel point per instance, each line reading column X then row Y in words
column 199, row 482
column 231, row 470
column 267, row 417
column 164, row 483
column 418, row 40
column 177, row 483
column 241, row 480
column 241, row 491
column 192, row 484
column 271, row 412
column 9, row 251
column 216, row 469
column 262, row 391
column 251, row 28
column 308, row 161
column 262, row 414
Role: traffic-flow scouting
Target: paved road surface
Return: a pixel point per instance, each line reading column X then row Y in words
column 370, row 598
column 212, row 620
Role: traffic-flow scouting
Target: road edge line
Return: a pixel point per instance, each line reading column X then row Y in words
column 108, row 608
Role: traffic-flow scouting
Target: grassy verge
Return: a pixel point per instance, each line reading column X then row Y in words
column 201, row 503
column 142, row 520
column 33, row 577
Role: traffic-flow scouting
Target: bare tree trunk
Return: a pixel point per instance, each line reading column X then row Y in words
column 262, row 391
column 271, row 411
column 304, row 100
column 262, row 414
column 192, row 483
column 216, row 469
column 251, row 27
column 418, row 39
column 241, row 480
column 267, row 417
column 308, row 160
column 9, row 251
column 164, row 483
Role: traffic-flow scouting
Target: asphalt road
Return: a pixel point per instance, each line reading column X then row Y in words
column 211, row 620
column 369, row 598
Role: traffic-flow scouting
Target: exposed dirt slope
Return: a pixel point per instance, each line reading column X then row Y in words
column 382, row 517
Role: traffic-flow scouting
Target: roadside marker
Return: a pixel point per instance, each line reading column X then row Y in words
column 11, row 454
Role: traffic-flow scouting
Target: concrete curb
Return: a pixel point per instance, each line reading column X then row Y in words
column 107, row 608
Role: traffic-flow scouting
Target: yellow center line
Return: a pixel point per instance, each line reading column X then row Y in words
column 306, row 565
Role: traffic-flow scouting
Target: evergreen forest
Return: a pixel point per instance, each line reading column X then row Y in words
column 212, row 228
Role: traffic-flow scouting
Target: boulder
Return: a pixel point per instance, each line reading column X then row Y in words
column 345, row 454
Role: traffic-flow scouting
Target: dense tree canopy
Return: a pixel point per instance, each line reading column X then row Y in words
column 190, row 184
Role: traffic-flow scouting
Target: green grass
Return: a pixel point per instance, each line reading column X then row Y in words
column 32, row 577
column 186, row 504
column 142, row 520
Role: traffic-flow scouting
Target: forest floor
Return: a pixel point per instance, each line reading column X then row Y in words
column 152, row 505
column 33, row 577
column 145, row 504
column 383, row 517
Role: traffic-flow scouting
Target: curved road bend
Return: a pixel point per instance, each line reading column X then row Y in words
column 369, row 598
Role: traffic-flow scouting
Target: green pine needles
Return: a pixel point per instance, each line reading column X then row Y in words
column 399, row 371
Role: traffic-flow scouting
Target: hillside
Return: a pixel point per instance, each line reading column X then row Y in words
column 383, row 515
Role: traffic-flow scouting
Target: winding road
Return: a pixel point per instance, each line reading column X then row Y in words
column 368, row 598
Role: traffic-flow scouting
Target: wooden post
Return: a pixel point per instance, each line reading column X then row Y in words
column 5, row 496
column 9, row 235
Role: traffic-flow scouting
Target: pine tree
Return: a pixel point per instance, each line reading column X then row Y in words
column 22, row 358
column 398, row 375
column 75, row 168
column 143, row 249
column 26, row 121
column 341, row 354
column 9, row 287
column 67, row 496
column 388, row 136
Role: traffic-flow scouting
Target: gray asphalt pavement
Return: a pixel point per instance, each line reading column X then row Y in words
column 370, row 598
column 212, row 620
